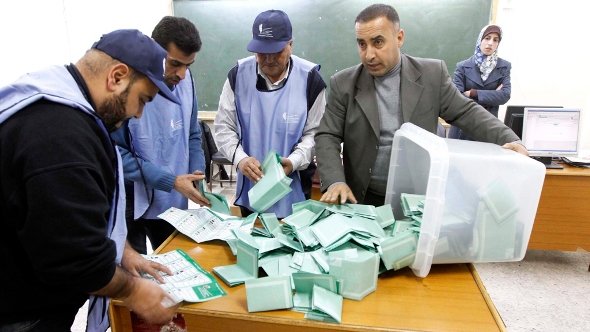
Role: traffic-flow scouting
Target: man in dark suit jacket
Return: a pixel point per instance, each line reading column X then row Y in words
column 367, row 103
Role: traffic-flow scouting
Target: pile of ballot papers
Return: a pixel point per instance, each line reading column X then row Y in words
column 313, row 258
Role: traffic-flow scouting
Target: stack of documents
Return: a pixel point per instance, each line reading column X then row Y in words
column 303, row 284
column 258, row 291
column 309, row 238
column 247, row 264
column 356, row 269
column 315, row 295
column 273, row 186
column 399, row 249
column 316, row 256
column 576, row 161
column 412, row 204
column 270, row 223
column 326, row 306
column 298, row 225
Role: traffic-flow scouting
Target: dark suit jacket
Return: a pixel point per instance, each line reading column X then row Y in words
column 467, row 76
column 352, row 118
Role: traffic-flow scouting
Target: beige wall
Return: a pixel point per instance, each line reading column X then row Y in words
column 546, row 42
column 39, row 33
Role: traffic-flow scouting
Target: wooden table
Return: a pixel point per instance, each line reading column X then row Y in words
column 563, row 215
column 451, row 298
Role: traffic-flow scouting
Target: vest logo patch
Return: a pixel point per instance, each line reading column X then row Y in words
column 175, row 125
column 290, row 118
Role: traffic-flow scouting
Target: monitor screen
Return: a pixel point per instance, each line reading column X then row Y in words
column 514, row 116
column 551, row 132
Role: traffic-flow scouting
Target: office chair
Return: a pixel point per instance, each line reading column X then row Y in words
column 218, row 159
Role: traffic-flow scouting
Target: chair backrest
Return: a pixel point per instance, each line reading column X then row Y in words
column 208, row 144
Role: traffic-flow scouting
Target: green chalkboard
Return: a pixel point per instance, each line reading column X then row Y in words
column 323, row 32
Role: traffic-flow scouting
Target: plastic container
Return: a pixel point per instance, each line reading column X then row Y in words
column 481, row 199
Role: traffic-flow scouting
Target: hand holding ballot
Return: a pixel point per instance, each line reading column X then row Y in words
column 250, row 167
column 273, row 186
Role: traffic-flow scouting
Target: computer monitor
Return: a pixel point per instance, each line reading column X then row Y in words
column 551, row 132
column 514, row 117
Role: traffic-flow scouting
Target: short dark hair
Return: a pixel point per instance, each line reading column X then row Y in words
column 180, row 31
column 378, row 10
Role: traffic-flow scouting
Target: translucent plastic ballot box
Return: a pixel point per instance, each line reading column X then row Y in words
column 480, row 199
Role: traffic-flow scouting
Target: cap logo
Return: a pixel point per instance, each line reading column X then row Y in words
column 264, row 32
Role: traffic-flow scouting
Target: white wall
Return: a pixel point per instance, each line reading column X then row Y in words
column 39, row 33
column 546, row 42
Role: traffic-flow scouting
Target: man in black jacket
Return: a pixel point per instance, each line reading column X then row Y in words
column 62, row 203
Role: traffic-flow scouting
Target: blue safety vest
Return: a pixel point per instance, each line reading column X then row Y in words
column 161, row 136
column 271, row 121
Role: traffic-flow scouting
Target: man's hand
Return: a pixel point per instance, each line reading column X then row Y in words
column 147, row 300
column 184, row 185
column 287, row 165
column 250, row 167
column 337, row 190
column 135, row 264
column 143, row 296
column 466, row 93
column 516, row 147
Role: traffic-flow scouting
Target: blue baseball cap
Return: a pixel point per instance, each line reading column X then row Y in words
column 140, row 52
column 271, row 32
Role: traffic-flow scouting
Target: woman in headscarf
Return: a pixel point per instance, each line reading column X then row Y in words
column 484, row 77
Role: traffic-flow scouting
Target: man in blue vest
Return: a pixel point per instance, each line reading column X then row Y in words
column 168, row 155
column 62, row 199
column 272, row 101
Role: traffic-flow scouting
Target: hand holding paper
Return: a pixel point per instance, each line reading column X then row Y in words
column 250, row 167
column 273, row 186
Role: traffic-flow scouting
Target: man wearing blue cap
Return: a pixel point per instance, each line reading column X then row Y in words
column 272, row 101
column 168, row 156
column 62, row 200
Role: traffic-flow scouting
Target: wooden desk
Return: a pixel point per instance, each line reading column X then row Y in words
column 451, row 298
column 563, row 215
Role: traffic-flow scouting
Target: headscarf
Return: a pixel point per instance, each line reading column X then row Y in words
column 486, row 63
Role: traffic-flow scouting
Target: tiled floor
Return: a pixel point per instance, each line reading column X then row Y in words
column 547, row 291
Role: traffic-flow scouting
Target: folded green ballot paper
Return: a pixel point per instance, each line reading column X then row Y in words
column 269, row 293
column 304, row 283
column 218, row 201
column 245, row 269
column 326, row 302
column 412, row 203
column 273, row 186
